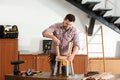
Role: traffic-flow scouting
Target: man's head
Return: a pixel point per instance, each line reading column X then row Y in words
column 68, row 20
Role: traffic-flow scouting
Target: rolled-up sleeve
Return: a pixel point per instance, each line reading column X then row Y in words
column 50, row 29
column 76, row 39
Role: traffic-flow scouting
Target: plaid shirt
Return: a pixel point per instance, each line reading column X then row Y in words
column 70, row 35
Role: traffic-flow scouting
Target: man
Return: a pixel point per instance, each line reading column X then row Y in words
column 61, row 34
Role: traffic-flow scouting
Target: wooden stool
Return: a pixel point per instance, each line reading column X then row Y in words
column 63, row 58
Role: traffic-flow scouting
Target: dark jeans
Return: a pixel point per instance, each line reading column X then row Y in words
column 52, row 65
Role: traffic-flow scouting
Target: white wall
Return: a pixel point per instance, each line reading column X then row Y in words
column 111, row 42
column 33, row 16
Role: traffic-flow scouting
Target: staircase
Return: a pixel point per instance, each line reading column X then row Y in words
column 97, row 14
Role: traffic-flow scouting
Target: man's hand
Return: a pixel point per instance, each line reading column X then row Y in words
column 70, row 57
column 50, row 35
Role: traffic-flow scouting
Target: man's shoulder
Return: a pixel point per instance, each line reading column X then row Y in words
column 74, row 29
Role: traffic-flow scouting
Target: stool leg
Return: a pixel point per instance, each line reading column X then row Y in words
column 71, row 64
column 60, row 68
column 55, row 68
column 67, row 69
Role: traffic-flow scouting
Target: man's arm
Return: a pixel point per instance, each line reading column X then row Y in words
column 54, row 38
column 75, row 50
column 48, row 35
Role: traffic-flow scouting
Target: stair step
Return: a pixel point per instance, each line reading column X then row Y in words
column 97, row 14
column 80, row 1
column 117, row 24
column 111, row 19
column 101, row 12
column 90, row 5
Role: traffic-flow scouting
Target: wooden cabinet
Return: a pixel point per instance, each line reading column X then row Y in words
column 29, row 62
column 8, row 53
column 36, row 62
column 111, row 65
column 40, row 63
column 80, row 64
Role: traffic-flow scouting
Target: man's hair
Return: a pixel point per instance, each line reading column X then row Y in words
column 70, row 17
